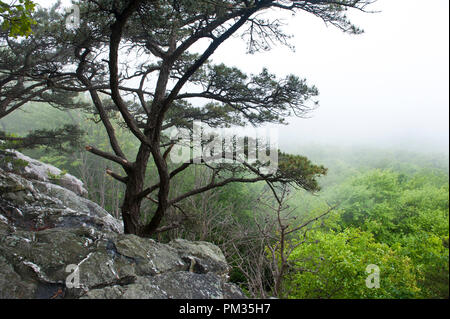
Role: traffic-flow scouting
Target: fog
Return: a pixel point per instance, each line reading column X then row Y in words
column 387, row 87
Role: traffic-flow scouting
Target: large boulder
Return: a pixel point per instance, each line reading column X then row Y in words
column 56, row 244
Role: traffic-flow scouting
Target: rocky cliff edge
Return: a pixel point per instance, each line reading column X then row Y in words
column 56, row 244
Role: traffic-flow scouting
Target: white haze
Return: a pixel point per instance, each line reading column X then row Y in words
column 387, row 87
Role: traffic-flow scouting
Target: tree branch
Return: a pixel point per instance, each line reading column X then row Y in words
column 123, row 162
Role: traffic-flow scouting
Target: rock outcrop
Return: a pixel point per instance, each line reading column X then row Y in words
column 56, row 244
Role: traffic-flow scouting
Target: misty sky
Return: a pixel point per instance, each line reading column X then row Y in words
column 388, row 86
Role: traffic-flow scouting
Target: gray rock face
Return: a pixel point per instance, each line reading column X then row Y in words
column 39, row 171
column 55, row 244
column 34, row 206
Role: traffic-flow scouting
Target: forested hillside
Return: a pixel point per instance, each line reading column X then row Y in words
column 382, row 207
